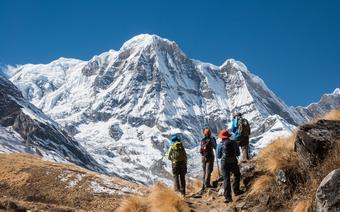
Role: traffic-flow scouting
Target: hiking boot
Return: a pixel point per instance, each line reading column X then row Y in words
column 227, row 200
column 238, row 192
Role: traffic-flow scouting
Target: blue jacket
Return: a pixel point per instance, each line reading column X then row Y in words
column 220, row 154
column 234, row 127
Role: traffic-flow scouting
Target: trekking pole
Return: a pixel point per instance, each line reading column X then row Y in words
column 218, row 167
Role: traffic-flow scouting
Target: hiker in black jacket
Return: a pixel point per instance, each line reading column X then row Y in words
column 228, row 151
column 208, row 144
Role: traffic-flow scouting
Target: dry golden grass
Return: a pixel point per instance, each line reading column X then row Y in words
column 278, row 155
column 159, row 199
column 162, row 198
column 133, row 204
column 302, row 206
column 29, row 179
column 332, row 115
column 262, row 184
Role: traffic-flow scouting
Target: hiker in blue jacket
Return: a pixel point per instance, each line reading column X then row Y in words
column 241, row 130
column 228, row 151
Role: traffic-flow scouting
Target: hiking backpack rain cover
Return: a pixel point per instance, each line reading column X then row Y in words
column 178, row 152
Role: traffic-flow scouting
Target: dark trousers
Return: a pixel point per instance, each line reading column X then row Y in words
column 208, row 166
column 179, row 170
column 230, row 166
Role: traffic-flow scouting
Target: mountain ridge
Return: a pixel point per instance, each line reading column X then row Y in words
column 123, row 105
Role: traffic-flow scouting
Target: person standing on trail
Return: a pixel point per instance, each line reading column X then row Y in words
column 241, row 131
column 178, row 157
column 227, row 151
column 208, row 144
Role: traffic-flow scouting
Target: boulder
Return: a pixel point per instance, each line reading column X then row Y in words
column 313, row 141
column 115, row 132
column 328, row 193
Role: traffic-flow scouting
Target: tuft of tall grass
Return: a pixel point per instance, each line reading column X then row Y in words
column 278, row 155
column 159, row 199
column 262, row 184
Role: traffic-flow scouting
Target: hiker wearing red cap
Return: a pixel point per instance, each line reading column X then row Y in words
column 208, row 144
column 228, row 151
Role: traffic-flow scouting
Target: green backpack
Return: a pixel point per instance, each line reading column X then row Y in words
column 178, row 152
column 243, row 127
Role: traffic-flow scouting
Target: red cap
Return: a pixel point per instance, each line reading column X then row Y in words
column 224, row 134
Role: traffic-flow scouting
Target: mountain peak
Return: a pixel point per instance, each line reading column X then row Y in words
column 336, row 91
column 144, row 40
column 235, row 64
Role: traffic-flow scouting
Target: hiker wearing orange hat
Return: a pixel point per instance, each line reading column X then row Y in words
column 208, row 144
column 228, row 151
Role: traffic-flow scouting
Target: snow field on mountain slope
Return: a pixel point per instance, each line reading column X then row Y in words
column 132, row 155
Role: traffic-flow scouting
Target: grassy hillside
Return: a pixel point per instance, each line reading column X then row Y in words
column 30, row 182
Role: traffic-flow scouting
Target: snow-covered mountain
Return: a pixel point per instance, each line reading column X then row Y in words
column 26, row 129
column 326, row 103
column 123, row 105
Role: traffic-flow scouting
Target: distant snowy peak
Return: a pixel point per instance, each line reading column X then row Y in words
column 253, row 93
column 144, row 40
column 232, row 63
column 327, row 103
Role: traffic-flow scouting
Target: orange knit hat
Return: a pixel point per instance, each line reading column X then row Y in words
column 224, row 134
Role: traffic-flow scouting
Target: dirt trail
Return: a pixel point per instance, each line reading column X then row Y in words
column 212, row 200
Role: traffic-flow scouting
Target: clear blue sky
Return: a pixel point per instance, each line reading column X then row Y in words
column 294, row 46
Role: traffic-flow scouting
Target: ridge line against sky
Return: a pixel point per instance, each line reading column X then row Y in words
column 292, row 45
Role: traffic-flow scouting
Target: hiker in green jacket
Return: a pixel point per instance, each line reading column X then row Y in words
column 178, row 157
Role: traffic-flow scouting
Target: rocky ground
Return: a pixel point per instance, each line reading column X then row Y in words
column 300, row 173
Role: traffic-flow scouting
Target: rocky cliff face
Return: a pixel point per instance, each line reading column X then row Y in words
column 123, row 105
column 24, row 128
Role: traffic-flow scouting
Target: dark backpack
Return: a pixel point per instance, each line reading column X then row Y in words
column 243, row 127
column 229, row 148
column 206, row 147
column 178, row 152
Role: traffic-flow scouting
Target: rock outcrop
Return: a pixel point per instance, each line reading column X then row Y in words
column 313, row 141
column 328, row 193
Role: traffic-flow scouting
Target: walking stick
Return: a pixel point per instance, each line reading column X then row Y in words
column 218, row 167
